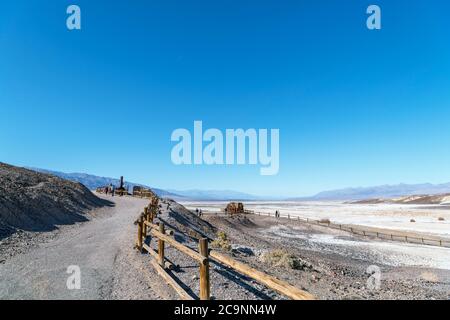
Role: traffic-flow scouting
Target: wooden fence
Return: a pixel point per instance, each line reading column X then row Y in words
column 366, row 232
column 358, row 230
column 203, row 257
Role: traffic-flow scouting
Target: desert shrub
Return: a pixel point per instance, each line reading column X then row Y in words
column 221, row 242
column 412, row 220
column 325, row 221
column 441, row 219
column 284, row 259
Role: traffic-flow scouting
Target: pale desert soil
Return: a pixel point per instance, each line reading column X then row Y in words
column 384, row 216
column 112, row 269
column 337, row 261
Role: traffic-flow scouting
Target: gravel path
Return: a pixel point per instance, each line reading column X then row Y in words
column 102, row 248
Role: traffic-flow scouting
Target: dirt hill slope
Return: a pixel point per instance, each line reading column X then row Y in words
column 185, row 223
column 415, row 199
column 35, row 201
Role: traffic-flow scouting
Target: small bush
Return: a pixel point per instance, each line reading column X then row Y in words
column 441, row 219
column 221, row 242
column 412, row 220
column 282, row 258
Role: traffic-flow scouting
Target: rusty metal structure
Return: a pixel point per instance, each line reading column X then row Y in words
column 143, row 192
column 121, row 191
column 235, row 208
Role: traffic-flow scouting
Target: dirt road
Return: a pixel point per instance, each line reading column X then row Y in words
column 101, row 248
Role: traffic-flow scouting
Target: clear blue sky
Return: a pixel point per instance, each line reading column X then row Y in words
column 354, row 107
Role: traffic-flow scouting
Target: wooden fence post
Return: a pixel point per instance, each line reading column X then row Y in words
column 204, row 270
column 139, row 235
column 161, row 245
column 144, row 229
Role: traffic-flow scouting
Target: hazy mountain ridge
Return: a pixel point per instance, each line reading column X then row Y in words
column 225, row 195
column 345, row 194
column 443, row 199
column 380, row 192
column 92, row 181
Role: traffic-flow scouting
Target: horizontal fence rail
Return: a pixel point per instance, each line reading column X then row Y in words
column 146, row 226
column 358, row 230
column 267, row 280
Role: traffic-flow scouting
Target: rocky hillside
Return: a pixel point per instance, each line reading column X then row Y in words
column 34, row 201
column 443, row 199
column 380, row 192
column 183, row 221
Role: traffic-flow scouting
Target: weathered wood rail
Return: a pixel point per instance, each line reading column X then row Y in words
column 366, row 232
column 146, row 226
column 354, row 229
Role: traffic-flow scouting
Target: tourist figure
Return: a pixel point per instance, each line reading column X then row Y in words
column 113, row 189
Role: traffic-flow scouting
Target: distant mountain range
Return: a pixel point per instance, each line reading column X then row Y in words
column 217, row 195
column 93, row 182
column 443, row 199
column 347, row 194
column 377, row 192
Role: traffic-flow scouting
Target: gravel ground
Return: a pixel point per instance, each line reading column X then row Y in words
column 336, row 271
column 112, row 269
column 101, row 247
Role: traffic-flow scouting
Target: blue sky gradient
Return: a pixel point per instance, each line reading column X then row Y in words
column 354, row 107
